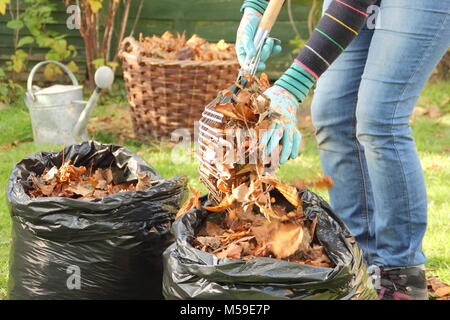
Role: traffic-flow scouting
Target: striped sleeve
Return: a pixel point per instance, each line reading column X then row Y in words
column 258, row 5
column 337, row 28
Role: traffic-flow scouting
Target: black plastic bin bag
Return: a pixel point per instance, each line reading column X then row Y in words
column 106, row 248
column 190, row 273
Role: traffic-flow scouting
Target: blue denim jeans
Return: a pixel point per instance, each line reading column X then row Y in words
column 361, row 111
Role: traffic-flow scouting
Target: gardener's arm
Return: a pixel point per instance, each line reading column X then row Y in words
column 336, row 30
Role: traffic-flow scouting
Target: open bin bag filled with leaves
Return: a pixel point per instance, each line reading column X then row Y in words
column 190, row 272
column 90, row 222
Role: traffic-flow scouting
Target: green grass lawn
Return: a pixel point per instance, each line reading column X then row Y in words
column 432, row 137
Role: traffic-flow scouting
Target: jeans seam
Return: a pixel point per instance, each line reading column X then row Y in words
column 410, row 258
column 364, row 185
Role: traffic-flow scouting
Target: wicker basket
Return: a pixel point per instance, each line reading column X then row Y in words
column 168, row 95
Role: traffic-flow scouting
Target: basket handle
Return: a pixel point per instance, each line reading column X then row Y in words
column 271, row 14
column 40, row 64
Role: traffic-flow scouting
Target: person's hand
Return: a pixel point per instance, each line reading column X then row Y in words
column 283, row 103
column 245, row 48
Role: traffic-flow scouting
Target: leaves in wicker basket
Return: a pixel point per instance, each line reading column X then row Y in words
column 170, row 47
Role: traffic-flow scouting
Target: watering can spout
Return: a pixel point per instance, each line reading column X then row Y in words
column 104, row 78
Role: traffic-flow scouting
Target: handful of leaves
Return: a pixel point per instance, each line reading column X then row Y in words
column 170, row 47
column 262, row 217
column 70, row 181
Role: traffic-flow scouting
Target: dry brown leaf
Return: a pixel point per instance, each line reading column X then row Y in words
column 261, row 235
column 78, row 189
column 438, row 289
column 225, row 204
column 443, row 291
column 40, row 188
column 264, row 81
column 312, row 228
column 317, row 255
column 289, row 192
column 187, row 206
column 227, row 109
column 286, row 240
column 234, row 251
column 144, row 182
column 244, row 112
column 185, row 53
column 191, row 203
column 100, row 184
column 241, row 193
column 267, row 211
column 226, row 237
column 9, row 145
column 213, row 229
column 244, row 97
column 211, row 242
column 47, row 189
column 69, row 172
column 107, row 173
column 324, row 182
column 223, row 186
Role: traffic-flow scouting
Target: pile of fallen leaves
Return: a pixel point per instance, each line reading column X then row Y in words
column 80, row 183
column 170, row 47
column 437, row 289
column 244, row 233
column 262, row 217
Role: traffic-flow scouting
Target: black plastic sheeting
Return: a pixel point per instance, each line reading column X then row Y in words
column 190, row 273
column 105, row 248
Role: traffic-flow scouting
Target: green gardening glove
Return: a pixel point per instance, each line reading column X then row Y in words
column 245, row 48
column 283, row 103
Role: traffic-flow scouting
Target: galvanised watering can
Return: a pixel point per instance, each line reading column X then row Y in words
column 58, row 113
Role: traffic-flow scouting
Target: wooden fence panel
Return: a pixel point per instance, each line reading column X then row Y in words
column 210, row 19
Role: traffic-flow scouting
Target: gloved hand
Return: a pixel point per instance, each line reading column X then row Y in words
column 245, row 48
column 284, row 103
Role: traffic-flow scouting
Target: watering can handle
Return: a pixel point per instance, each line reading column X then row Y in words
column 33, row 71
